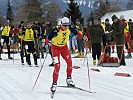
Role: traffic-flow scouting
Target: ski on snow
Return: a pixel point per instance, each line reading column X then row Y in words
column 78, row 88
column 75, row 87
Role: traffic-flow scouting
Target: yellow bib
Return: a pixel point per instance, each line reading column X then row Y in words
column 6, row 31
column 20, row 35
column 103, row 26
column 62, row 38
column 126, row 29
column 29, row 35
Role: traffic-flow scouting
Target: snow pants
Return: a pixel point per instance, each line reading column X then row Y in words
column 127, row 41
column 65, row 53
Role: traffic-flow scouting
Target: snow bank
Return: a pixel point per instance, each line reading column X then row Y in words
column 127, row 14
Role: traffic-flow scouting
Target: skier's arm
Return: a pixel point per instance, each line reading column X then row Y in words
column 53, row 33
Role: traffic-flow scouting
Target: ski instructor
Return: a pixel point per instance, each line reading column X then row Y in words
column 59, row 37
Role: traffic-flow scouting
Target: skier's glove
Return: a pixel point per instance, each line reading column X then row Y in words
column 85, row 38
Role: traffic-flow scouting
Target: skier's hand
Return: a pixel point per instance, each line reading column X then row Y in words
column 46, row 40
column 85, row 38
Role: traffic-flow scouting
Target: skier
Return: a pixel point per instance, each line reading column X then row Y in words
column 59, row 37
column 6, row 39
column 29, row 44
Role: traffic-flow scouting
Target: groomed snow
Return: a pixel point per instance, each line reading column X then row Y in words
column 16, row 81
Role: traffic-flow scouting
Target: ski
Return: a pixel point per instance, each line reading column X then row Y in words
column 78, row 88
column 52, row 94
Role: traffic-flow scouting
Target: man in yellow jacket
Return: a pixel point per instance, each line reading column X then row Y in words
column 6, row 39
column 29, row 44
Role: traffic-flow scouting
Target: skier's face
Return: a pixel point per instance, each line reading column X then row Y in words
column 28, row 26
column 115, row 20
column 96, row 22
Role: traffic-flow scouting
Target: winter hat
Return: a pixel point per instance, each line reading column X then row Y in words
column 114, row 17
column 106, row 19
column 130, row 20
column 65, row 21
column 121, row 17
column 22, row 22
column 7, row 22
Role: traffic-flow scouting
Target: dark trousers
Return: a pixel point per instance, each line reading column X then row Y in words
column 80, row 45
column 22, row 50
column 31, row 49
column 104, row 40
column 5, row 40
column 96, row 50
column 120, row 54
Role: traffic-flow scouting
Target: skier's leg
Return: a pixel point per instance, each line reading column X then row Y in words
column 56, row 56
column 67, row 57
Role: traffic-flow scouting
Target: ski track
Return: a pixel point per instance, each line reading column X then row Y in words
column 20, row 88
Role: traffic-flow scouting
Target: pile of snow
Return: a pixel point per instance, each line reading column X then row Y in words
column 127, row 15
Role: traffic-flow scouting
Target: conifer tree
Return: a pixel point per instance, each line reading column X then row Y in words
column 73, row 11
column 9, row 15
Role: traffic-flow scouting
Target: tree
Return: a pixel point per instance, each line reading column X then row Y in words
column 52, row 11
column 1, row 18
column 9, row 15
column 29, row 10
column 73, row 11
column 130, row 4
column 104, row 6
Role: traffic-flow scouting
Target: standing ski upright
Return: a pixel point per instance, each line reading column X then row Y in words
column 59, row 37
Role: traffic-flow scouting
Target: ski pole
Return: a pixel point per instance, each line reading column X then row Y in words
column 39, row 73
column 88, row 73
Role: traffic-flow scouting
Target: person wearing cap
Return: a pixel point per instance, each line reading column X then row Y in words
column 131, row 32
column 29, row 37
column 108, row 30
column 79, row 32
column 96, row 32
column 104, row 35
column 21, row 33
column 118, row 36
column 127, row 36
column 6, row 39
column 59, row 37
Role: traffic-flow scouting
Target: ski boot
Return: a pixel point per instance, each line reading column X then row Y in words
column 29, row 63
column 128, row 56
column 36, row 65
column 94, row 62
column 53, row 88
column 69, row 82
column 51, row 64
column 10, row 58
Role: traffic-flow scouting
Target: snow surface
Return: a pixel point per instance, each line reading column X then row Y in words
column 127, row 15
column 16, row 81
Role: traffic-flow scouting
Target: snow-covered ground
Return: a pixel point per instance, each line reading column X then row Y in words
column 16, row 81
column 127, row 15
